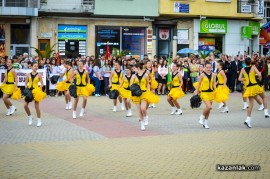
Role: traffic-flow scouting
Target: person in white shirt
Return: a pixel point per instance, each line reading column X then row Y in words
column 162, row 76
column 97, row 77
column 106, row 75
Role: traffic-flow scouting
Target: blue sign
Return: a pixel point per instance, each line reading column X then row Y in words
column 72, row 36
column 183, row 8
column 72, row 28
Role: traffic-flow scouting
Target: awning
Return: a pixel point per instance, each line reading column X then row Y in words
column 266, row 26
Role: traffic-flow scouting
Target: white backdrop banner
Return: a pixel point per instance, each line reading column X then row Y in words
column 21, row 75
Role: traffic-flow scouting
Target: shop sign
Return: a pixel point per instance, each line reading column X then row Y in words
column 46, row 35
column 182, row 36
column 72, row 28
column 179, row 7
column 164, row 34
column 246, row 32
column 215, row 26
column 71, row 36
column 255, row 27
column 246, row 8
column 261, row 8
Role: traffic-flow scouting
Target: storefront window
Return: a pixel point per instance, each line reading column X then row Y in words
column 107, row 35
column 20, row 34
column 2, row 39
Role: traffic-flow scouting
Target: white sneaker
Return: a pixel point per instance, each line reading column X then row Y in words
column 74, row 115
column 201, row 121
column 8, row 112
column 146, row 122
column 30, row 120
column 153, row 106
column 114, row 109
column 261, row 107
column 39, row 122
column 173, row 110
column 129, row 114
column 206, row 124
column 123, row 107
column 142, row 126
column 67, row 107
column 266, row 114
column 96, row 95
column 220, row 105
column 245, row 106
column 82, row 112
column 179, row 111
column 226, row 110
column 12, row 109
column 248, row 122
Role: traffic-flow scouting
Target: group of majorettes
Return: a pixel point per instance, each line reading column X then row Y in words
column 210, row 86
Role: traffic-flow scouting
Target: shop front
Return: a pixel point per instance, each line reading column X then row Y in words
column 131, row 40
column 72, row 40
column 251, row 33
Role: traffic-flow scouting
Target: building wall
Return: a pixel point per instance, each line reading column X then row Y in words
column 127, row 7
column 50, row 25
column 201, row 7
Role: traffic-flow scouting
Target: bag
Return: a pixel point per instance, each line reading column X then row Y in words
column 239, row 87
column 195, row 101
column 113, row 94
column 54, row 79
column 1, row 93
column 73, row 91
column 28, row 95
column 135, row 90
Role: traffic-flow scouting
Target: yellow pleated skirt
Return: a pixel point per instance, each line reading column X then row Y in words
column 252, row 91
column 7, row 88
column 221, row 93
column 153, row 84
column 207, row 96
column 147, row 96
column 125, row 93
column 176, row 93
column 63, row 86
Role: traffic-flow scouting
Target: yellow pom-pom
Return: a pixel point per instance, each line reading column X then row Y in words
column 90, row 89
column 154, row 84
column 195, row 84
column 38, row 94
column 17, row 94
column 60, row 86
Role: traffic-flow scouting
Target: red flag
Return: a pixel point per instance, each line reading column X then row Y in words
column 108, row 54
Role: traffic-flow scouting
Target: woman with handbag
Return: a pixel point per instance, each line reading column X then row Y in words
column 9, row 86
column 176, row 91
column 248, row 75
column 147, row 97
column 206, row 87
column 114, row 82
column 31, row 83
column 124, row 90
column 83, row 88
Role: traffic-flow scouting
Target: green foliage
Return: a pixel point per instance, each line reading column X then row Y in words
column 48, row 51
column 115, row 52
column 204, row 54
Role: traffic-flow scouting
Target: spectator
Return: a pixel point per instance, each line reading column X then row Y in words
column 231, row 74
column 47, row 67
column 267, row 74
column 3, row 64
column 106, row 76
column 239, row 67
column 162, row 76
column 194, row 72
column 97, row 77
column 54, row 71
column 16, row 64
column 186, row 76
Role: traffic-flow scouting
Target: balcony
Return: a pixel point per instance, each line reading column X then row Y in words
column 19, row 7
column 67, row 6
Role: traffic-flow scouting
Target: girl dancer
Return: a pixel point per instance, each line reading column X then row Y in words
column 222, row 91
column 206, row 87
column 252, row 89
column 9, row 86
column 124, row 90
column 64, row 85
column 83, row 87
column 153, row 82
column 141, row 78
column 31, row 83
column 114, row 82
column 176, row 90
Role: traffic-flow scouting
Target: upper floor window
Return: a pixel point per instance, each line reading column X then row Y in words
column 16, row 3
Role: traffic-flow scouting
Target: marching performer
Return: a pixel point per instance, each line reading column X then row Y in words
column 252, row 89
column 114, row 82
column 222, row 91
column 206, row 87
column 147, row 97
column 64, row 85
column 9, row 86
column 31, row 83
column 124, row 90
column 176, row 91
column 152, row 80
column 83, row 88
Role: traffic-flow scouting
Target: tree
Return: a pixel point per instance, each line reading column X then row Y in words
column 48, row 51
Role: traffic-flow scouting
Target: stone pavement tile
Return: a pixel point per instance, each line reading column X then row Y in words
column 15, row 129
column 167, row 156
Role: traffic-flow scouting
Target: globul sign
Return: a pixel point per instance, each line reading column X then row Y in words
column 215, row 26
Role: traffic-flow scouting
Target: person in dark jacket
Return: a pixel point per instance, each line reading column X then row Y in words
column 186, row 77
column 267, row 74
column 231, row 73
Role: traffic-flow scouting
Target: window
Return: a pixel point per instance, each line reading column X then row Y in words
column 1, row 2
column 20, row 34
column 16, row 3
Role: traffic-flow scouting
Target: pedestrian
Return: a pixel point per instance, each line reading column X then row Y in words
column 152, row 80
column 194, row 72
column 106, row 76
column 97, row 77
column 162, row 76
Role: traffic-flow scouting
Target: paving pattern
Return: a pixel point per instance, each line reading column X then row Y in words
column 103, row 144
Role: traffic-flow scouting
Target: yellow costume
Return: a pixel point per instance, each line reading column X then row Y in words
column 38, row 94
column 175, row 92
column 251, row 86
column 221, row 92
column 147, row 95
column 64, row 85
column 153, row 82
column 125, row 89
column 206, row 88
column 81, row 83
column 17, row 94
column 8, row 87
column 116, row 80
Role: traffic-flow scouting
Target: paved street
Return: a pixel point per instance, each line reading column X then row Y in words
column 103, row 144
